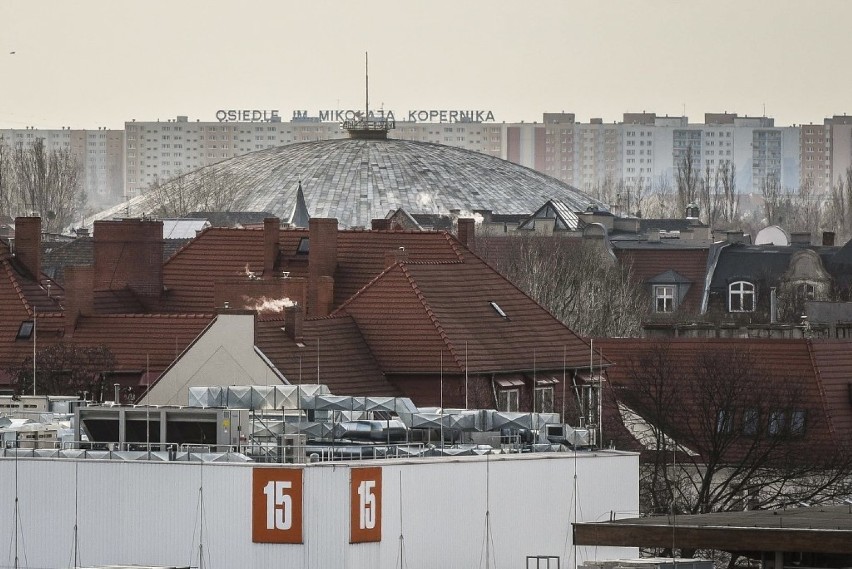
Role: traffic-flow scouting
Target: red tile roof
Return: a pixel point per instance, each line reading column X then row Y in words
column 141, row 340
column 778, row 360
column 224, row 252
column 690, row 263
column 345, row 362
column 414, row 314
column 216, row 253
column 833, row 361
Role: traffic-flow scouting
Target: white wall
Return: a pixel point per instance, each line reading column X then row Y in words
column 223, row 355
column 147, row 513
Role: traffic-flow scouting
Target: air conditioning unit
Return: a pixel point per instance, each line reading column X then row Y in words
column 291, row 448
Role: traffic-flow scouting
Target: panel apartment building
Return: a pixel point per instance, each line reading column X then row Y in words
column 100, row 154
column 643, row 148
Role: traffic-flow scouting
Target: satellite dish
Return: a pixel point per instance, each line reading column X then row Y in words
column 772, row 235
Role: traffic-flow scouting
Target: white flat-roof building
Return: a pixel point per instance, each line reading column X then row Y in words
column 489, row 511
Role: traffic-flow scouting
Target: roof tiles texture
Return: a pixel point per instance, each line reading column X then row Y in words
column 690, row 263
column 331, row 347
column 788, row 361
column 416, row 314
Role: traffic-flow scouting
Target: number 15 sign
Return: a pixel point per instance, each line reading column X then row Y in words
column 365, row 505
column 276, row 515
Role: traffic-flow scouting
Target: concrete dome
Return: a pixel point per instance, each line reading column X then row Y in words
column 356, row 180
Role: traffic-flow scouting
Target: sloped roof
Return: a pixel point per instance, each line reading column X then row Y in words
column 223, row 252
column 141, row 340
column 357, row 180
column 833, row 361
column 777, row 358
column 80, row 252
column 345, row 362
column 558, row 213
column 689, row 263
column 416, row 314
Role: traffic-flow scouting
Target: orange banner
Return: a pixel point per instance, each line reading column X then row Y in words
column 276, row 505
column 365, row 505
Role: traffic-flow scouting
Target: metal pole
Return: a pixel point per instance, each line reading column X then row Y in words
column 34, row 351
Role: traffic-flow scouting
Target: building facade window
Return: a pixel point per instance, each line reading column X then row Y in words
column 507, row 400
column 751, row 421
column 664, row 298
column 544, row 399
column 741, row 297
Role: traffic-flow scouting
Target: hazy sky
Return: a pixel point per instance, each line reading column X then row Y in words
column 90, row 63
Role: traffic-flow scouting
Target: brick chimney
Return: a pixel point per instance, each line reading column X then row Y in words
column 271, row 234
column 466, row 231
column 395, row 256
column 294, row 319
column 129, row 254
column 28, row 244
column 79, row 295
column 380, row 224
column 322, row 262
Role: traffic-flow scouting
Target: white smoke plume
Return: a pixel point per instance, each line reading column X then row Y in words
column 264, row 304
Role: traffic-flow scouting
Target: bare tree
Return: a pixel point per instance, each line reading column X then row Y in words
column 687, row 180
column 205, row 190
column 710, row 195
column 581, row 285
column 770, row 188
column 727, row 433
column 34, row 179
column 663, row 202
column 64, row 369
column 727, row 173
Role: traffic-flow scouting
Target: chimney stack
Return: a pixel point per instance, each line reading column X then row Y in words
column 395, row 256
column 466, row 232
column 322, row 262
column 293, row 321
column 79, row 295
column 129, row 254
column 28, row 244
column 271, row 235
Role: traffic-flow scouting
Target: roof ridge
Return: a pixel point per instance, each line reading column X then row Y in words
column 431, row 314
column 821, row 387
column 7, row 265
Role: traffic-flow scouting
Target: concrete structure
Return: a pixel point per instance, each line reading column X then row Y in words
column 427, row 512
column 224, row 352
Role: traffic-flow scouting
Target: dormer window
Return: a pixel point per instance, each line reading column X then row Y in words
column 741, row 297
column 664, row 298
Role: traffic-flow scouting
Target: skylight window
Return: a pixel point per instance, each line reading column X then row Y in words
column 304, row 246
column 498, row 310
column 25, row 332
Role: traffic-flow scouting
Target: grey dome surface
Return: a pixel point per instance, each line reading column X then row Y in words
column 357, row 180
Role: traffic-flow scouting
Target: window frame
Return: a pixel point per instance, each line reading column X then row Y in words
column 665, row 292
column 742, row 292
column 506, row 398
column 539, row 399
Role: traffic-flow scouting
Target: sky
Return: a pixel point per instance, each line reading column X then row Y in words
column 98, row 63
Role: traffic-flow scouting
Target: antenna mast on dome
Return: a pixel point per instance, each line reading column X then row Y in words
column 366, row 127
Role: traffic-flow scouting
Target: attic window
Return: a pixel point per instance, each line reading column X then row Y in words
column 498, row 310
column 304, row 246
column 25, row 332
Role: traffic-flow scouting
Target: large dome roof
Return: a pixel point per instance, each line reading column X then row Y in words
column 357, row 180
